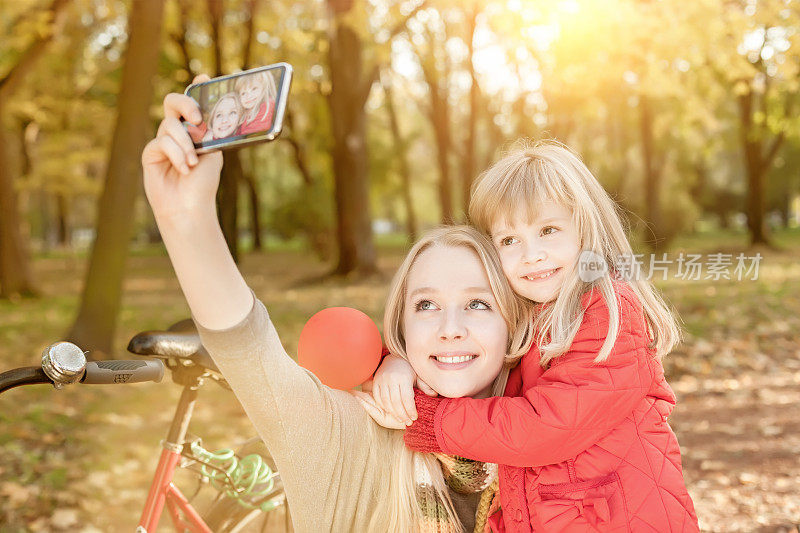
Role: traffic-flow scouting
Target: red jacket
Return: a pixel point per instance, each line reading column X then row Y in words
column 262, row 121
column 582, row 446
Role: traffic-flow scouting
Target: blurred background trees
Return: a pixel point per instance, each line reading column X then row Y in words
column 686, row 112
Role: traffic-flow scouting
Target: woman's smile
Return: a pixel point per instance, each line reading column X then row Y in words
column 454, row 360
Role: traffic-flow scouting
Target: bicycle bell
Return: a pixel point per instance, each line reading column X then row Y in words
column 64, row 363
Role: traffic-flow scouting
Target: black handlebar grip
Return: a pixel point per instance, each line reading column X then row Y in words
column 112, row 372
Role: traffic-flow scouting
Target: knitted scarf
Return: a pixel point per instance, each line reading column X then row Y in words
column 461, row 475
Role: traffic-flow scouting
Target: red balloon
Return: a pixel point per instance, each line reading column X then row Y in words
column 341, row 346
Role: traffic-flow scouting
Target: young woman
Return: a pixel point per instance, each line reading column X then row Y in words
column 341, row 471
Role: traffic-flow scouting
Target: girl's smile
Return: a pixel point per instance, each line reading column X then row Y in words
column 541, row 275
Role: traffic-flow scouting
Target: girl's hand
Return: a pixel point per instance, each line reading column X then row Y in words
column 424, row 387
column 177, row 181
column 393, row 389
column 380, row 416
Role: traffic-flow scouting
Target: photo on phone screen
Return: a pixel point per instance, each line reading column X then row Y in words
column 241, row 108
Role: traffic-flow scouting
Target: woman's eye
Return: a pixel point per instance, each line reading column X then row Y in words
column 507, row 241
column 478, row 305
column 425, row 305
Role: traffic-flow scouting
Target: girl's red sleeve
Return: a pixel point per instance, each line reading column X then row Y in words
column 573, row 404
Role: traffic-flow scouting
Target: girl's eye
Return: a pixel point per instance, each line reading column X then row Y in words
column 425, row 305
column 507, row 241
column 547, row 230
column 478, row 305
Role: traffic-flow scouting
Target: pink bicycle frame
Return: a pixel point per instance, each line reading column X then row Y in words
column 162, row 490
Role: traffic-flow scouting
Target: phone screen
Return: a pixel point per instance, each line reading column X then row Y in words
column 241, row 108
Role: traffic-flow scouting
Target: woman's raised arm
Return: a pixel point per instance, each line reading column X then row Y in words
column 309, row 428
column 181, row 188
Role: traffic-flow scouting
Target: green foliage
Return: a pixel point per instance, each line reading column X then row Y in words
column 573, row 70
column 305, row 212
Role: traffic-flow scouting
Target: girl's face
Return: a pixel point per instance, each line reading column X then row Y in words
column 225, row 119
column 538, row 258
column 455, row 336
column 251, row 94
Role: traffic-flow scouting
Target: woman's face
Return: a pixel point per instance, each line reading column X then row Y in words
column 455, row 336
column 225, row 119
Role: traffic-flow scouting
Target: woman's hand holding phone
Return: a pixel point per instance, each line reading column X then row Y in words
column 177, row 181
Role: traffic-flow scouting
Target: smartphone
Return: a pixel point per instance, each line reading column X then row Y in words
column 240, row 109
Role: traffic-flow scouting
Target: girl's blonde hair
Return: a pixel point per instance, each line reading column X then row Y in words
column 239, row 109
column 401, row 510
column 518, row 184
column 267, row 81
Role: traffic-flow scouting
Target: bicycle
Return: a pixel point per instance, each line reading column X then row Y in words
column 248, row 486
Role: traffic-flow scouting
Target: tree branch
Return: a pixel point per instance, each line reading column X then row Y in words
column 28, row 58
column 247, row 59
column 766, row 160
column 180, row 38
column 375, row 71
column 297, row 149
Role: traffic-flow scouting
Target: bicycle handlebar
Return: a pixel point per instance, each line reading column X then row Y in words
column 64, row 363
column 111, row 372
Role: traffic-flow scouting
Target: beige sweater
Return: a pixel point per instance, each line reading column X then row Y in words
column 335, row 462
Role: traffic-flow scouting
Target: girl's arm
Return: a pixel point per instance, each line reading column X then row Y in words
column 573, row 404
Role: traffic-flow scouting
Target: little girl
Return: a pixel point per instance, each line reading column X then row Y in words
column 257, row 94
column 581, row 435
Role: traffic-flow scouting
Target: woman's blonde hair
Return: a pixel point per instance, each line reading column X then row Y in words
column 267, row 81
column 518, row 184
column 401, row 510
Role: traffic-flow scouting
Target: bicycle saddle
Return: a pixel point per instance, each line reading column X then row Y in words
column 180, row 341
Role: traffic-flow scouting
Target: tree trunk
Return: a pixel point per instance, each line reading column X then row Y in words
column 468, row 168
column 297, row 149
column 255, row 218
column 785, row 205
column 227, row 200
column 62, row 221
column 15, row 269
column 96, row 321
column 440, row 119
column 652, row 173
column 401, row 148
column 755, row 170
column 349, row 90
column 231, row 177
